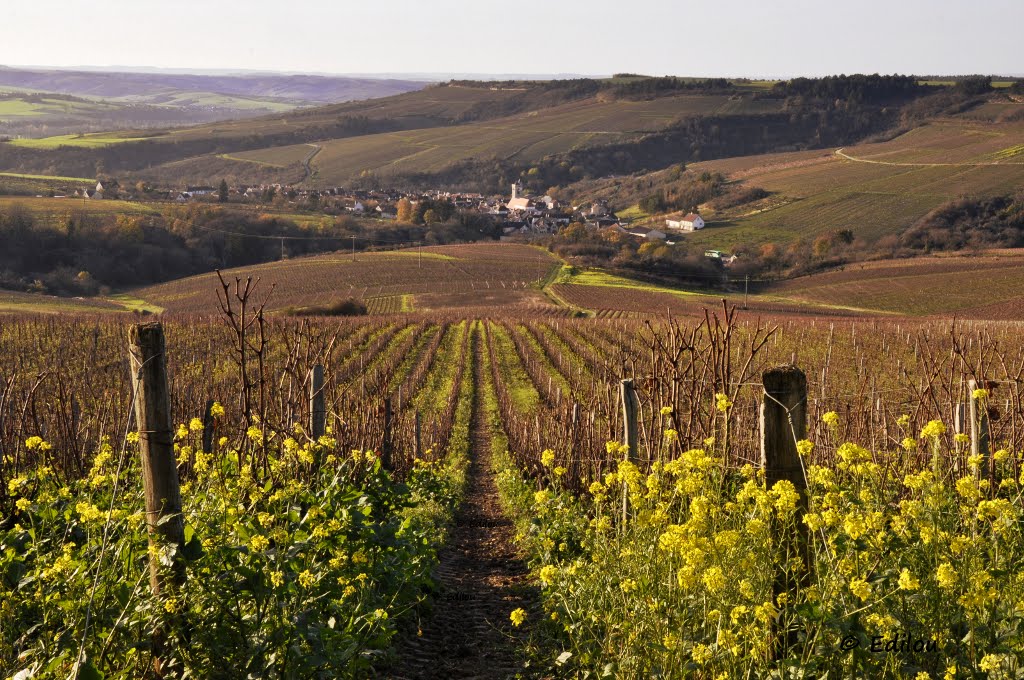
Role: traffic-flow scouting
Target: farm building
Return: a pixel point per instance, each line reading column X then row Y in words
column 643, row 232
column 689, row 222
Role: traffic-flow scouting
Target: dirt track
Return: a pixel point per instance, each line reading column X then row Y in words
column 482, row 579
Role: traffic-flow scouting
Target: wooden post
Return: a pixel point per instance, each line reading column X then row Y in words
column 574, row 436
column 630, row 408
column 317, row 410
column 980, row 428
column 418, row 451
column 208, row 426
column 783, row 424
column 164, row 522
column 385, row 449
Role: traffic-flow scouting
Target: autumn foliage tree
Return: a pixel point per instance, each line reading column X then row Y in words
column 404, row 210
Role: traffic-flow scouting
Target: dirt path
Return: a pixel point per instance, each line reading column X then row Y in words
column 308, row 160
column 842, row 154
column 482, row 579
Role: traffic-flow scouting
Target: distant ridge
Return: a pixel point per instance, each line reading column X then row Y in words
column 318, row 89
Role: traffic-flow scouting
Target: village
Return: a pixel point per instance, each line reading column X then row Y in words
column 521, row 216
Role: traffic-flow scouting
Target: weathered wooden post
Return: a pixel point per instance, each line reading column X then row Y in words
column 980, row 426
column 208, row 426
column 385, row 448
column 164, row 522
column 574, row 436
column 783, row 424
column 630, row 408
column 418, row 451
column 317, row 410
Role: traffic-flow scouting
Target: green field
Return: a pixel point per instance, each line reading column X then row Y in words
column 179, row 99
column 55, row 211
column 18, row 107
column 88, row 141
column 48, row 304
column 42, row 106
column 53, row 178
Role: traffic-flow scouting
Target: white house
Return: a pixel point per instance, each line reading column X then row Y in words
column 689, row 222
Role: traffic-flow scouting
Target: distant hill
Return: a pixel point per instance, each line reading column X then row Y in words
column 154, row 86
column 481, row 135
column 457, row 134
column 44, row 103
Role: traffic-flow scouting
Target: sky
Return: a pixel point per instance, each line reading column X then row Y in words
column 732, row 38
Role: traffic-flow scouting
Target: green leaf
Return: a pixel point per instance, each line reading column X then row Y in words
column 193, row 549
column 87, row 671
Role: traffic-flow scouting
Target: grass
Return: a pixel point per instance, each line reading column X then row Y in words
column 87, row 141
column 55, row 178
column 35, row 303
column 19, row 107
column 632, row 213
column 949, row 83
column 134, row 304
column 518, row 384
column 596, row 277
column 54, row 211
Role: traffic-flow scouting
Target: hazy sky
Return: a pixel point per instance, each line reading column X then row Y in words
column 680, row 37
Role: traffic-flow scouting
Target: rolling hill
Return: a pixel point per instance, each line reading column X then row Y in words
column 463, row 133
column 875, row 190
column 52, row 103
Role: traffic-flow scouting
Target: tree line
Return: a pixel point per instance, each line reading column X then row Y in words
column 88, row 254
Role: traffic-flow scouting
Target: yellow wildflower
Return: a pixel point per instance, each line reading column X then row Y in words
column 933, row 429
column 946, row 576
column 860, row 588
column 548, row 574
column 908, row 581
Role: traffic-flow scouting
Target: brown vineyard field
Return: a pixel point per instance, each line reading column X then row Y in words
column 500, row 277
